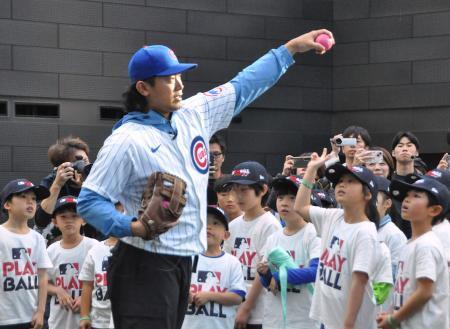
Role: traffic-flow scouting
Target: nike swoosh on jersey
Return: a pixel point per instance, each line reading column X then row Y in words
column 154, row 149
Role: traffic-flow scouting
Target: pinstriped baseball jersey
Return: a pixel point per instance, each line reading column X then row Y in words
column 134, row 151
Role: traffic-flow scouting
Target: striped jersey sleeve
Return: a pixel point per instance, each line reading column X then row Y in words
column 113, row 167
column 215, row 107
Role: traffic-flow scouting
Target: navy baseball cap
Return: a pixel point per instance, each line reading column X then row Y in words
column 222, row 184
column 292, row 183
column 66, row 202
column 248, row 173
column 439, row 191
column 383, row 184
column 219, row 214
column 442, row 176
column 155, row 61
column 326, row 198
column 22, row 185
column 364, row 175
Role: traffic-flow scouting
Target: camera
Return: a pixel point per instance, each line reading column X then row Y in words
column 345, row 141
column 375, row 157
column 81, row 166
column 301, row 161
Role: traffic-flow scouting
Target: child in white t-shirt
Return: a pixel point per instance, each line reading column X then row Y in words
column 23, row 258
column 68, row 256
column 421, row 296
column 343, row 296
column 217, row 284
column 299, row 239
column 95, row 304
column 388, row 232
column 442, row 229
column 248, row 234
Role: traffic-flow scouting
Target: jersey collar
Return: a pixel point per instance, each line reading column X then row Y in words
column 151, row 118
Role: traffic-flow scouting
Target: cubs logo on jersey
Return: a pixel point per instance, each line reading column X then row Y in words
column 199, row 155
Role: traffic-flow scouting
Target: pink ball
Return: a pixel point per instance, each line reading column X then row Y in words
column 325, row 41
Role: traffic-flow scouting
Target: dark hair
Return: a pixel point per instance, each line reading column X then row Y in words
column 285, row 190
column 432, row 201
column 64, row 149
column 387, row 157
column 218, row 139
column 8, row 199
column 133, row 100
column 406, row 134
column 355, row 131
column 385, row 195
column 258, row 188
column 371, row 208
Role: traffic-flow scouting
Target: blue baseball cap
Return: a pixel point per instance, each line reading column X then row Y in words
column 155, row 61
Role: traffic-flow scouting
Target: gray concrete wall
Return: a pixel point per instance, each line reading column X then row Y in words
column 391, row 69
column 75, row 53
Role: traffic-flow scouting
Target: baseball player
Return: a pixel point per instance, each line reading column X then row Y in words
column 150, row 270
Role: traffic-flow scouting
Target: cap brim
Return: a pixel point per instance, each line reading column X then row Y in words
column 65, row 206
column 242, row 181
column 339, row 171
column 40, row 191
column 399, row 189
column 179, row 68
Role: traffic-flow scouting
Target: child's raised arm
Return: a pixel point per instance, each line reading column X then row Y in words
column 303, row 199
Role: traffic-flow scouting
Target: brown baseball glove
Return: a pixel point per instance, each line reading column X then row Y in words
column 162, row 203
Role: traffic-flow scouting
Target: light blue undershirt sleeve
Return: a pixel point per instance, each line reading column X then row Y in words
column 255, row 79
column 101, row 213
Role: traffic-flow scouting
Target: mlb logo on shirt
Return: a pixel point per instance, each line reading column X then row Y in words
column 208, row 277
column 68, row 269
column 105, row 263
column 238, row 242
column 20, row 253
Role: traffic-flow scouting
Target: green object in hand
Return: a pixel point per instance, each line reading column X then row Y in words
column 381, row 291
column 280, row 261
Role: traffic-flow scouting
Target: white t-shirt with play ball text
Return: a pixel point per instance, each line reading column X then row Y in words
column 422, row 258
column 303, row 246
column 95, row 269
column 215, row 274
column 246, row 242
column 21, row 255
column 345, row 248
column 67, row 264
